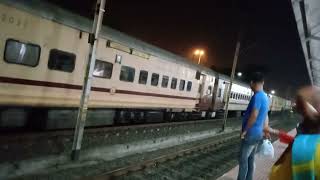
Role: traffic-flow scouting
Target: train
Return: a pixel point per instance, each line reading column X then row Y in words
column 44, row 50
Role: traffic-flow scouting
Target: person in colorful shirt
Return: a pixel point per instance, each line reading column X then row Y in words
column 301, row 160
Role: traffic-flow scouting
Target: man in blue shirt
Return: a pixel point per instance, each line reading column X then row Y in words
column 253, row 124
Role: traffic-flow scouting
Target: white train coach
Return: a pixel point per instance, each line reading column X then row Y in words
column 44, row 51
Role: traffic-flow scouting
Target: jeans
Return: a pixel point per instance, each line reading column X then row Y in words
column 246, row 159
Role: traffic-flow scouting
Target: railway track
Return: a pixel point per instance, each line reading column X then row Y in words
column 152, row 167
column 208, row 160
column 142, row 164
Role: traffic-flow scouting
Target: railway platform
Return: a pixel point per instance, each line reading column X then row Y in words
column 262, row 166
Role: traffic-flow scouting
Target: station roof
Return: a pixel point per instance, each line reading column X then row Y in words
column 307, row 15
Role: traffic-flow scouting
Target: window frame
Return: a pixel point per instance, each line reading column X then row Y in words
column 133, row 74
column 64, row 52
column 184, row 85
column 163, row 77
column 101, row 76
column 210, row 89
column 140, row 76
column 176, row 82
column 32, row 44
column 219, row 93
column 157, row 80
column 189, row 82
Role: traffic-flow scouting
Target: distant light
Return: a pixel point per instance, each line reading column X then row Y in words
column 239, row 74
column 198, row 52
column 273, row 91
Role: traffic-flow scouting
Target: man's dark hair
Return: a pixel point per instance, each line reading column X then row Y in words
column 257, row 77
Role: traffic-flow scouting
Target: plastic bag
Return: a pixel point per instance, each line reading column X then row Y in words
column 266, row 149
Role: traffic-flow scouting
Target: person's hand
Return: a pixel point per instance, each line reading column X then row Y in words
column 243, row 134
column 267, row 135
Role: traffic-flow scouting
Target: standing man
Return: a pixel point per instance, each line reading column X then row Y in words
column 254, row 122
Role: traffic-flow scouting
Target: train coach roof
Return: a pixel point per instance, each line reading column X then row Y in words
column 61, row 16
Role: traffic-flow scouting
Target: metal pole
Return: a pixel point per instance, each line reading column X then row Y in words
column 235, row 60
column 82, row 113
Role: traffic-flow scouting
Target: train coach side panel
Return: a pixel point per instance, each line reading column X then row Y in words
column 40, row 86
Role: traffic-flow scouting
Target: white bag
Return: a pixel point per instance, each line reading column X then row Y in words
column 266, row 149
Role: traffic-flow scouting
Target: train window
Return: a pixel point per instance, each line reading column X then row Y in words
column 127, row 73
column 209, row 90
column 103, row 69
column 231, row 95
column 165, row 81
column 61, row 60
column 143, row 77
column 182, row 84
column 200, row 88
column 189, row 86
column 154, row 79
column 22, row 53
column 220, row 92
column 174, row 83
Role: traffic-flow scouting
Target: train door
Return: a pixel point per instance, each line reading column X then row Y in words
column 225, row 93
column 202, row 86
column 215, row 93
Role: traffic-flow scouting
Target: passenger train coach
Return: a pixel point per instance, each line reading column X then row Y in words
column 44, row 50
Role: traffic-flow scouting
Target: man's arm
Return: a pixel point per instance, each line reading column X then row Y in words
column 266, row 124
column 266, row 128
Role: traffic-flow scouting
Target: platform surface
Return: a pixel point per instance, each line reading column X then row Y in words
column 263, row 166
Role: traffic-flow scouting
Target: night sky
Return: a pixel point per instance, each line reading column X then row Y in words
column 270, row 39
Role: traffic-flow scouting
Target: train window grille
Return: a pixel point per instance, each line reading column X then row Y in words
column 127, row 74
column 189, row 86
column 174, row 83
column 17, row 52
column 61, row 60
column 165, row 81
column 103, row 69
column 155, row 79
column 181, row 85
column 143, row 77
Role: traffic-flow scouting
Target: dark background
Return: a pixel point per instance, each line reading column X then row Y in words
column 270, row 40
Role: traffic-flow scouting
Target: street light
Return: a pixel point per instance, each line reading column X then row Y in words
column 239, row 74
column 273, row 91
column 199, row 52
